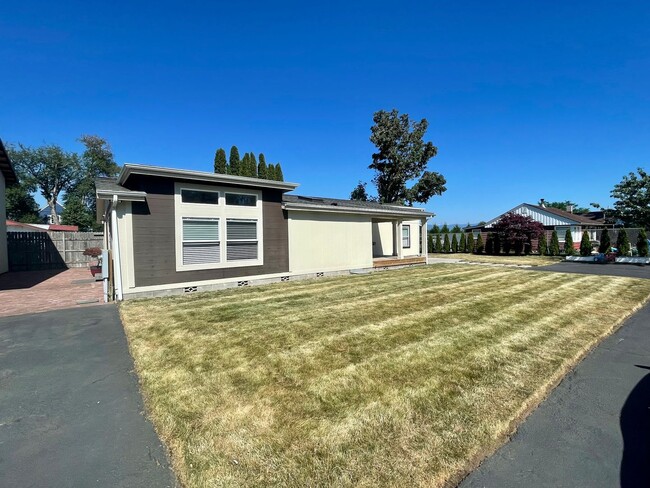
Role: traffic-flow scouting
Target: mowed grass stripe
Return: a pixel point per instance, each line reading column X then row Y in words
column 350, row 395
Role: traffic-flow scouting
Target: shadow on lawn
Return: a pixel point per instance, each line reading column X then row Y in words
column 635, row 427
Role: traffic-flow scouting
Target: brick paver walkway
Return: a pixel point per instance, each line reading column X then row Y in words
column 39, row 291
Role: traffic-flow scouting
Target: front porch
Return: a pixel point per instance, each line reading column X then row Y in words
column 398, row 242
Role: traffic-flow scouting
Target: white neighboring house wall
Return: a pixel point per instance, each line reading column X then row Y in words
column 320, row 241
column 4, row 258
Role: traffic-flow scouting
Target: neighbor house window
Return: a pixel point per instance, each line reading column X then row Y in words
column 200, row 196
column 201, row 243
column 241, row 239
column 406, row 236
column 241, row 199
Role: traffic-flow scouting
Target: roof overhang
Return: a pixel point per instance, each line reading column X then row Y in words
column 124, row 196
column 203, row 176
column 6, row 168
column 388, row 212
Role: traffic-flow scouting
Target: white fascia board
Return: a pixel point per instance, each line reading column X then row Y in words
column 125, row 196
column 203, row 176
column 415, row 213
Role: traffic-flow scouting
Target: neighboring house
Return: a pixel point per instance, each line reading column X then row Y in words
column 7, row 176
column 13, row 226
column 175, row 231
column 553, row 219
column 57, row 227
column 45, row 213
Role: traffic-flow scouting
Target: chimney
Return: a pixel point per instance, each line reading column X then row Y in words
column 569, row 208
column 542, row 203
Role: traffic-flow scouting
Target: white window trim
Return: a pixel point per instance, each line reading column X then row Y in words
column 222, row 212
column 256, row 240
column 408, row 228
column 218, row 241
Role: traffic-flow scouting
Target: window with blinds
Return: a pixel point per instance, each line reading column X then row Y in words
column 201, row 243
column 241, row 239
column 406, row 236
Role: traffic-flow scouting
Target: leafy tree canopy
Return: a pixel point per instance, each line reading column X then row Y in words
column 632, row 196
column 359, row 192
column 21, row 205
column 401, row 157
column 516, row 230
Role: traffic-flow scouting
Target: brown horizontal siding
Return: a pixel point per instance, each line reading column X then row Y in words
column 154, row 247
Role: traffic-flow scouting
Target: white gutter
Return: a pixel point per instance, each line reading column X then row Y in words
column 389, row 212
column 117, row 264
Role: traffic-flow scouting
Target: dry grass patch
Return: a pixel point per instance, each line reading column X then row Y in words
column 489, row 259
column 402, row 378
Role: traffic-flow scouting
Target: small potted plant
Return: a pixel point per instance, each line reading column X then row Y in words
column 94, row 252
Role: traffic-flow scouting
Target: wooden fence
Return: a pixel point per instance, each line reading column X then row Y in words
column 50, row 250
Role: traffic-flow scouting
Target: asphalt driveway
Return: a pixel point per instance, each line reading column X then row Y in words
column 71, row 414
column 627, row 270
column 593, row 430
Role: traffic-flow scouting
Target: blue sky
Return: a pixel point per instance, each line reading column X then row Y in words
column 525, row 100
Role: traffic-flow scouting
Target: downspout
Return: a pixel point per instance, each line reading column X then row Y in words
column 117, row 263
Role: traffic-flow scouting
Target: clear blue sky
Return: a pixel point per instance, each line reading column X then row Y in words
column 525, row 100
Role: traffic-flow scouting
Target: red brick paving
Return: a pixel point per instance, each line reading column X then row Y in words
column 39, row 291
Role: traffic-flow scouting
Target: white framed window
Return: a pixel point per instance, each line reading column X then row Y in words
column 241, row 240
column 201, row 243
column 406, row 236
column 203, row 197
column 241, row 199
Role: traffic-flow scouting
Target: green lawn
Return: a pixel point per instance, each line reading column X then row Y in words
column 400, row 378
column 530, row 260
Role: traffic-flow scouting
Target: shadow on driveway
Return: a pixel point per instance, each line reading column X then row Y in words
column 71, row 413
column 635, row 427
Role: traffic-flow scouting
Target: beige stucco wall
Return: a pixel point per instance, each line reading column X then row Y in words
column 328, row 241
column 382, row 238
column 4, row 260
column 414, row 250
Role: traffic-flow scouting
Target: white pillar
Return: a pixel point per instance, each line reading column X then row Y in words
column 400, row 250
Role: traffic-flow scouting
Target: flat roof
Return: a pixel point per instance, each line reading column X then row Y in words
column 322, row 204
column 140, row 169
column 6, row 168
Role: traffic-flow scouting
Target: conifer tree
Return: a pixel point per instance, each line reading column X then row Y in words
column 444, row 229
column 253, row 166
column 623, row 243
column 245, row 165
column 489, row 244
column 445, row 245
column 261, row 168
column 234, row 162
column 438, row 243
column 454, row 243
column 542, row 247
column 470, row 243
column 278, row 173
column 462, row 245
column 568, row 243
column 435, row 229
column 479, row 244
column 585, row 245
column 430, row 244
column 456, row 229
column 554, row 246
column 496, row 245
column 642, row 243
column 605, row 243
column 220, row 163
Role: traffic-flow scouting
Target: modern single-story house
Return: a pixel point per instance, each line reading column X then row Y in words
column 7, row 177
column 172, row 231
column 553, row 219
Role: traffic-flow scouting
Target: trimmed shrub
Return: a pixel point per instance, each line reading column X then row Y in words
column 489, row 244
column 568, row 243
column 470, row 243
column 542, row 248
column 585, row 245
column 445, row 245
column 430, row 244
column 496, row 244
column 519, row 247
column 462, row 245
column 642, row 243
column 454, row 244
column 623, row 243
column 438, row 243
column 479, row 244
column 554, row 246
column 605, row 243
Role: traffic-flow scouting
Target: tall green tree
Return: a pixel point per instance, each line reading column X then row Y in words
column 270, row 172
column 278, row 172
column 252, row 171
column 234, row 162
column 623, row 242
column 632, row 196
column 585, row 245
column 21, row 205
column 445, row 244
column 438, row 243
column 435, row 229
column 462, row 245
column 554, row 246
column 220, row 162
column 542, row 246
column 642, row 243
column 402, row 156
column 568, row 243
column 444, row 229
column 456, row 229
column 76, row 213
column 479, row 244
column 49, row 169
column 470, row 242
column 454, row 243
column 245, row 165
column 359, row 193
column 605, row 242
column 261, row 168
